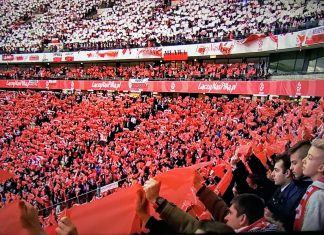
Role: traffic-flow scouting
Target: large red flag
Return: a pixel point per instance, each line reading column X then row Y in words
column 5, row 175
column 177, row 187
column 10, row 223
column 113, row 214
column 262, row 157
column 225, row 181
column 252, row 38
column 116, row 214
column 244, row 150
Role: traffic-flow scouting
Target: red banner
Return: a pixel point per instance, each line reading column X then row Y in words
column 57, row 57
column 150, row 52
column 69, row 58
column 108, row 54
column 252, row 38
column 20, row 58
column 289, row 88
column 34, row 58
column 226, row 49
column 175, row 56
column 7, row 57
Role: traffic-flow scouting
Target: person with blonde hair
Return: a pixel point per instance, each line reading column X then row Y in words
column 310, row 212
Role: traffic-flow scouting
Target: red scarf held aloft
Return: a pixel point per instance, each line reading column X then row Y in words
column 301, row 209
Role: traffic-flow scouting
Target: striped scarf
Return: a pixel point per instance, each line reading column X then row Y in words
column 301, row 209
column 261, row 225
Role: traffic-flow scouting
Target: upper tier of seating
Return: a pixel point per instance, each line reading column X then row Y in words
column 32, row 26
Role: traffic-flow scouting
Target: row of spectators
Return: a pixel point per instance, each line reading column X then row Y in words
column 147, row 23
column 62, row 146
column 184, row 71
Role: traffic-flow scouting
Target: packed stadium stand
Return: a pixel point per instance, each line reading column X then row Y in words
column 66, row 130
column 79, row 25
column 131, row 117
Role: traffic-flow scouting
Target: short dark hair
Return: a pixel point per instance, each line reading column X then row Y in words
column 249, row 204
column 302, row 146
column 285, row 158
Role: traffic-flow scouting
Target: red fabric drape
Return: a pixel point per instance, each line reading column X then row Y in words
column 5, row 175
column 115, row 214
column 225, row 181
column 10, row 223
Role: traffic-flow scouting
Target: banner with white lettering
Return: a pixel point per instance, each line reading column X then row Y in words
column 108, row 187
column 286, row 87
column 138, row 84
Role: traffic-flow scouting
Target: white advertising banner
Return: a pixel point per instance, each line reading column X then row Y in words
column 291, row 40
column 253, row 44
column 301, row 38
column 108, row 187
column 136, row 85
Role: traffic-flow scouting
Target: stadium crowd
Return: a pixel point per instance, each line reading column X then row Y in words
column 63, row 148
column 79, row 25
column 192, row 70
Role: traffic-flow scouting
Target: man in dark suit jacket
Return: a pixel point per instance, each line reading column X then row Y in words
column 285, row 200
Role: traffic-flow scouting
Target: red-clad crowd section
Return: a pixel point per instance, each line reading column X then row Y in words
column 184, row 71
column 63, row 148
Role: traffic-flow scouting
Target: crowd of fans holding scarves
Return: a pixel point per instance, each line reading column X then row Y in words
column 62, row 148
column 190, row 70
column 228, row 165
column 27, row 26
